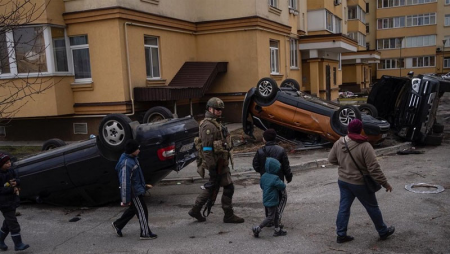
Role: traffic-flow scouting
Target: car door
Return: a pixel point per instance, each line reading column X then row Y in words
column 43, row 174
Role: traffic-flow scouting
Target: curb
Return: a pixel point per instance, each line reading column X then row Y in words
column 294, row 167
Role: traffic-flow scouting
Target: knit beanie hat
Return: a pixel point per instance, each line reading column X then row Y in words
column 131, row 146
column 355, row 126
column 3, row 159
column 270, row 135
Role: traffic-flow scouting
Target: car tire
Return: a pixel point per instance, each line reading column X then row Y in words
column 369, row 109
column 347, row 113
column 114, row 131
column 433, row 139
column 52, row 144
column 438, row 128
column 291, row 83
column 157, row 114
column 266, row 89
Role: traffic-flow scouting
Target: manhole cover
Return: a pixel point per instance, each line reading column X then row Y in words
column 434, row 188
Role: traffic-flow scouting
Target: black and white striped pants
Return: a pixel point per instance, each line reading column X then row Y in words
column 281, row 205
column 138, row 208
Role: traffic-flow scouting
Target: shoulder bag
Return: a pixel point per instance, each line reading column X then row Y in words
column 371, row 185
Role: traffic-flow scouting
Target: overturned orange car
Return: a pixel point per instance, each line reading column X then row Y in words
column 298, row 116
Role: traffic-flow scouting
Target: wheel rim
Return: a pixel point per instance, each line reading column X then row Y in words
column 155, row 117
column 346, row 116
column 113, row 133
column 265, row 88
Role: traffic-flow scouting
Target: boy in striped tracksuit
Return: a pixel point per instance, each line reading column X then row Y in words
column 132, row 190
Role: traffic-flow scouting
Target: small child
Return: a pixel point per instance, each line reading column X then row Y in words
column 271, row 185
column 9, row 201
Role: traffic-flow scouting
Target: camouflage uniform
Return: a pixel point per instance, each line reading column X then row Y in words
column 214, row 148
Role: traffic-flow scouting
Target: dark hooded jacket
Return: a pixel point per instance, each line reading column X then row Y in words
column 271, row 149
column 8, row 199
column 271, row 184
column 365, row 157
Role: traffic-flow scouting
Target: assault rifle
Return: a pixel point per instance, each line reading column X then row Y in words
column 214, row 188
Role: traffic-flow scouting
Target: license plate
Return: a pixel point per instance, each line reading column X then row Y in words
column 384, row 135
column 186, row 147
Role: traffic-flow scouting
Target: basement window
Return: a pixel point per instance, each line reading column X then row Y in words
column 2, row 131
column 80, row 128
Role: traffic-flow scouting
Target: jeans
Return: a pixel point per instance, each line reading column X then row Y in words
column 368, row 200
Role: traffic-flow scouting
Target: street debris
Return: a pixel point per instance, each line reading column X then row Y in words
column 435, row 188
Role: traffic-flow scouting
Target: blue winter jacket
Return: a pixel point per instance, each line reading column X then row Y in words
column 131, row 178
column 271, row 183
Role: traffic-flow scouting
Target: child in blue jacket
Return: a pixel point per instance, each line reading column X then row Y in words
column 271, row 185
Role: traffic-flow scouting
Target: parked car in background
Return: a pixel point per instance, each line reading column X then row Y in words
column 410, row 105
column 83, row 173
column 446, row 76
column 299, row 116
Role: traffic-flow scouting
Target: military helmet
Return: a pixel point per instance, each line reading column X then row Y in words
column 215, row 102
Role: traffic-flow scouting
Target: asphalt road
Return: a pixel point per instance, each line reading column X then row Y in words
column 422, row 220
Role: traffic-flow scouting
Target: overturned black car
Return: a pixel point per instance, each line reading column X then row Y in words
column 410, row 104
column 83, row 173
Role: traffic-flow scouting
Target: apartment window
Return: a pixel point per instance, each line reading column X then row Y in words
column 367, row 46
column 367, row 7
column 396, row 3
column 152, row 57
column 447, row 20
column 294, row 53
column 293, row 4
column 447, row 62
column 356, row 12
column 425, row 61
column 359, row 37
column 386, row 64
column 447, row 2
column 421, row 19
column 30, row 49
column 421, row 41
column 367, row 28
column 4, row 56
column 79, row 45
column 447, row 41
column 59, row 50
column 274, row 56
column 333, row 23
column 273, row 3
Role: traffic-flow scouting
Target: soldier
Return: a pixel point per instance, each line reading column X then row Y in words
column 214, row 153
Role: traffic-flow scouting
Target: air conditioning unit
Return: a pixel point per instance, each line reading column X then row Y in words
column 337, row 2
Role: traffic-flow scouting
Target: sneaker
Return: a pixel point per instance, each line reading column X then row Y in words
column 256, row 230
column 117, row 230
column 280, row 232
column 151, row 236
column 390, row 231
column 345, row 238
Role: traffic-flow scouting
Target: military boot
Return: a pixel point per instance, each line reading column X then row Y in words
column 230, row 217
column 195, row 213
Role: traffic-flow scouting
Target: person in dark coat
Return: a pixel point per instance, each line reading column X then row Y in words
column 271, row 149
column 9, row 201
column 271, row 184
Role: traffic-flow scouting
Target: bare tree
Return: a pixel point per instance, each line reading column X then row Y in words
column 22, row 55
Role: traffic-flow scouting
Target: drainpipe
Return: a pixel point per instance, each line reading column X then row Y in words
column 130, row 90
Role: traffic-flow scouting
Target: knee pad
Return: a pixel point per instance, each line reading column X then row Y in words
column 228, row 190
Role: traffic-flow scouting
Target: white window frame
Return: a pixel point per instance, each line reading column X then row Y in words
column 78, row 47
column 273, row 3
column 294, row 53
column 447, row 42
column 447, row 62
column 293, row 4
column 447, row 20
column 274, row 57
column 49, row 54
column 447, row 2
column 393, row 63
column 153, row 76
column 422, row 59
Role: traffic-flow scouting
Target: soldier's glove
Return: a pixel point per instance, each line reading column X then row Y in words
column 289, row 178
